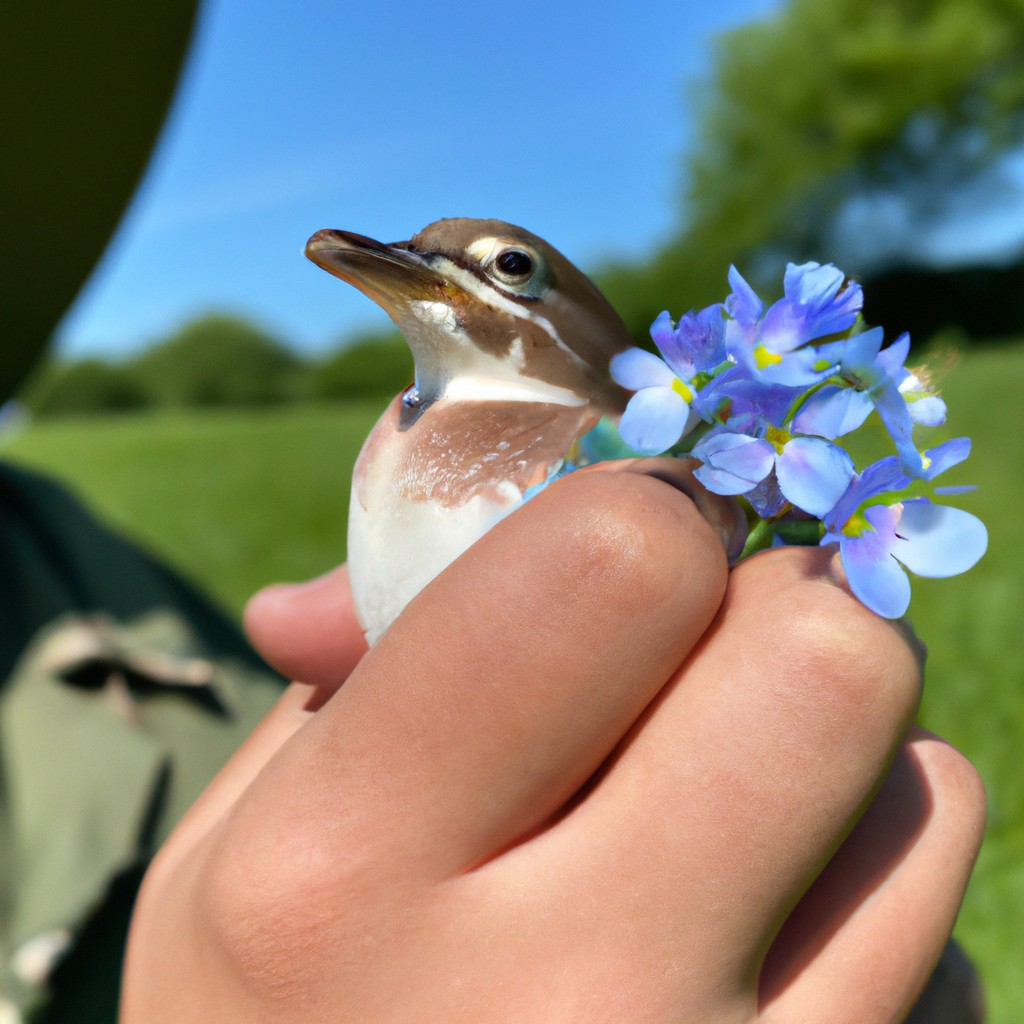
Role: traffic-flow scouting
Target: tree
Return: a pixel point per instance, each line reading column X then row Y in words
column 377, row 365
column 822, row 102
column 218, row 360
column 826, row 96
column 86, row 386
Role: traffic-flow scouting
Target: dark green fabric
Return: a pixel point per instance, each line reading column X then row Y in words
column 122, row 691
column 86, row 85
column 55, row 557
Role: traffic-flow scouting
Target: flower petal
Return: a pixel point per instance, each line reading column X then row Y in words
column 766, row 499
column 875, row 577
column 654, row 420
column 937, row 540
column 893, row 410
column 749, row 458
column 891, row 359
column 698, row 343
column 662, row 330
column 783, row 328
column 743, row 304
column 827, row 306
column 946, row 455
column 811, row 284
column 885, row 475
column 718, row 481
column 754, row 402
column 813, row 474
column 833, row 412
column 929, row 411
column 798, row 368
column 636, row 368
column 860, row 356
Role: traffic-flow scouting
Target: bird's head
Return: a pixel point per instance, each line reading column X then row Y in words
column 489, row 310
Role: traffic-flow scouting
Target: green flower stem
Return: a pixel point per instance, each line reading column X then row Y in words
column 759, row 538
column 801, row 401
column 807, row 532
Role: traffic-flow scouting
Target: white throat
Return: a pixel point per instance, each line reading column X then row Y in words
column 468, row 372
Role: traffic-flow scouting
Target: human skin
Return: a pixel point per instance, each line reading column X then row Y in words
column 589, row 775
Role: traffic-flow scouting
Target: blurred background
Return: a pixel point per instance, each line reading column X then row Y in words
column 209, row 389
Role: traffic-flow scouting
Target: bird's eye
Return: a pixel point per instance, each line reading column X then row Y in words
column 513, row 265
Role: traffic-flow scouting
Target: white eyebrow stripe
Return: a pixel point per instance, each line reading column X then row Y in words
column 471, row 283
column 482, row 248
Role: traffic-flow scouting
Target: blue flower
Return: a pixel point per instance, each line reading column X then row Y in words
column 775, row 388
column 812, row 473
column 877, row 546
column 818, row 302
column 668, row 396
column 879, row 541
column 753, row 405
column 873, row 378
column 886, row 481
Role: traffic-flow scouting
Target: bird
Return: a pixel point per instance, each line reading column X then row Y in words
column 511, row 344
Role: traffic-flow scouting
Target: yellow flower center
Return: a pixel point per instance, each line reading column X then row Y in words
column 778, row 437
column 765, row 358
column 682, row 390
column 856, row 525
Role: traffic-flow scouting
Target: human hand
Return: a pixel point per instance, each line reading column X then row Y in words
column 588, row 775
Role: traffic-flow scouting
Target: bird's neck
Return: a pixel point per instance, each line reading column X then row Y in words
column 474, row 351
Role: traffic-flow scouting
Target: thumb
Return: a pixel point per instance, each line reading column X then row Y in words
column 308, row 631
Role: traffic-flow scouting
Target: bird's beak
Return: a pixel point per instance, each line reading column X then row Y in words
column 391, row 275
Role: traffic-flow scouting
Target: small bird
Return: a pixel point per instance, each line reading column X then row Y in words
column 511, row 345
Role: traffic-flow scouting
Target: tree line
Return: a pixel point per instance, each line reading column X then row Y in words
column 220, row 360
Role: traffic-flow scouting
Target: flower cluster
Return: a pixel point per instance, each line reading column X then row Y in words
column 761, row 396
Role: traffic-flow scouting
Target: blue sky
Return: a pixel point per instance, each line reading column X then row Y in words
column 569, row 118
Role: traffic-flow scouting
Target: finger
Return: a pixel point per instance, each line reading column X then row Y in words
column 724, row 514
column 862, row 942
column 308, row 631
column 503, row 685
column 748, row 771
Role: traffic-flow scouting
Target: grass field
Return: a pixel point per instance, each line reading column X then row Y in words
column 233, row 499
column 236, row 500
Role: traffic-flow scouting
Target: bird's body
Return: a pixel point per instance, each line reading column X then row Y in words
column 511, row 344
column 421, row 496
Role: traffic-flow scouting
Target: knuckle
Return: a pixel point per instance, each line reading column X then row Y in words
column 643, row 535
column 863, row 662
column 272, row 907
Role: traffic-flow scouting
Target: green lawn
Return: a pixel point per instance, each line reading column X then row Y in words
column 234, row 499
column 239, row 499
column 975, row 676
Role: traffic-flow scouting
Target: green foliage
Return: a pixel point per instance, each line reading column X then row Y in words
column 89, row 386
column 217, row 360
column 85, row 89
column 809, row 107
column 974, row 692
column 376, row 365
column 825, row 89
